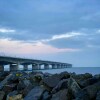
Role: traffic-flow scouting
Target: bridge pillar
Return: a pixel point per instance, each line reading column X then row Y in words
column 36, row 66
column 66, row 66
column 58, row 66
column 54, row 66
column 14, row 67
column 46, row 66
column 62, row 66
column 1, row 68
column 25, row 67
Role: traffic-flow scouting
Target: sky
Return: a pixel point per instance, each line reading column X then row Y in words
column 56, row 30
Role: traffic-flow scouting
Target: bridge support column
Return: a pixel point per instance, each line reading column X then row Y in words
column 14, row 67
column 25, row 67
column 1, row 68
column 54, row 66
column 36, row 66
column 46, row 66
column 58, row 66
column 62, row 66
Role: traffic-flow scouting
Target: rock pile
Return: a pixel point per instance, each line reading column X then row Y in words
column 45, row 86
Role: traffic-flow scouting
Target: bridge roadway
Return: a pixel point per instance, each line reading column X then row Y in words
column 15, row 62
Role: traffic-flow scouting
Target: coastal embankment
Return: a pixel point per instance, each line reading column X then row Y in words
column 46, row 86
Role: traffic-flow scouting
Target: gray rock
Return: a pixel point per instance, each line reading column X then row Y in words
column 2, row 83
column 88, row 82
column 64, row 75
column 2, row 93
column 63, row 84
column 35, row 93
column 81, row 77
column 51, row 81
column 82, row 96
column 13, row 79
column 92, row 90
column 9, row 88
column 27, row 89
column 98, row 96
column 47, row 74
column 14, row 96
column 38, row 77
column 97, row 76
column 23, row 84
column 73, row 87
column 61, row 95
column 46, row 96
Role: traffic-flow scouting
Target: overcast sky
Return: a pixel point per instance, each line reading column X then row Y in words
column 56, row 30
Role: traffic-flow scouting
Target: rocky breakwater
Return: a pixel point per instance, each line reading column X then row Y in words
column 45, row 86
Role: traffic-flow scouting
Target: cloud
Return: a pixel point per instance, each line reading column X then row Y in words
column 62, row 36
column 22, row 47
column 98, row 31
column 93, row 46
column 7, row 30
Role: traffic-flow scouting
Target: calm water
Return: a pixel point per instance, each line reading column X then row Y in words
column 78, row 70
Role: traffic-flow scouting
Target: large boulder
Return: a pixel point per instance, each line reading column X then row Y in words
column 13, row 79
column 27, row 90
column 64, row 75
column 81, row 77
column 97, row 76
column 98, row 96
column 35, row 94
column 9, row 88
column 63, row 84
column 88, row 82
column 5, row 81
column 92, row 90
column 46, row 96
column 23, row 84
column 46, row 74
column 2, row 93
column 14, row 96
column 53, row 80
column 61, row 95
column 36, row 78
column 73, row 87
column 82, row 96
column 3, row 75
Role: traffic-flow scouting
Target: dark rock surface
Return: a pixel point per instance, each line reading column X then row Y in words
column 98, row 96
column 92, row 90
column 35, row 93
column 63, row 84
column 2, row 93
column 45, row 86
column 73, row 87
column 61, row 95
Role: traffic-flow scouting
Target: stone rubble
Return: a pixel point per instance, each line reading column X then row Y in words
column 45, row 86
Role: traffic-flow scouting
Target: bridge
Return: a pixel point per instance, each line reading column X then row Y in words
column 15, row 62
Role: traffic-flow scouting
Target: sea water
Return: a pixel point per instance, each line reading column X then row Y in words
column 77, row 70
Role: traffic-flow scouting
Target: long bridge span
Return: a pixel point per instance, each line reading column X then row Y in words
column 15, row 62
